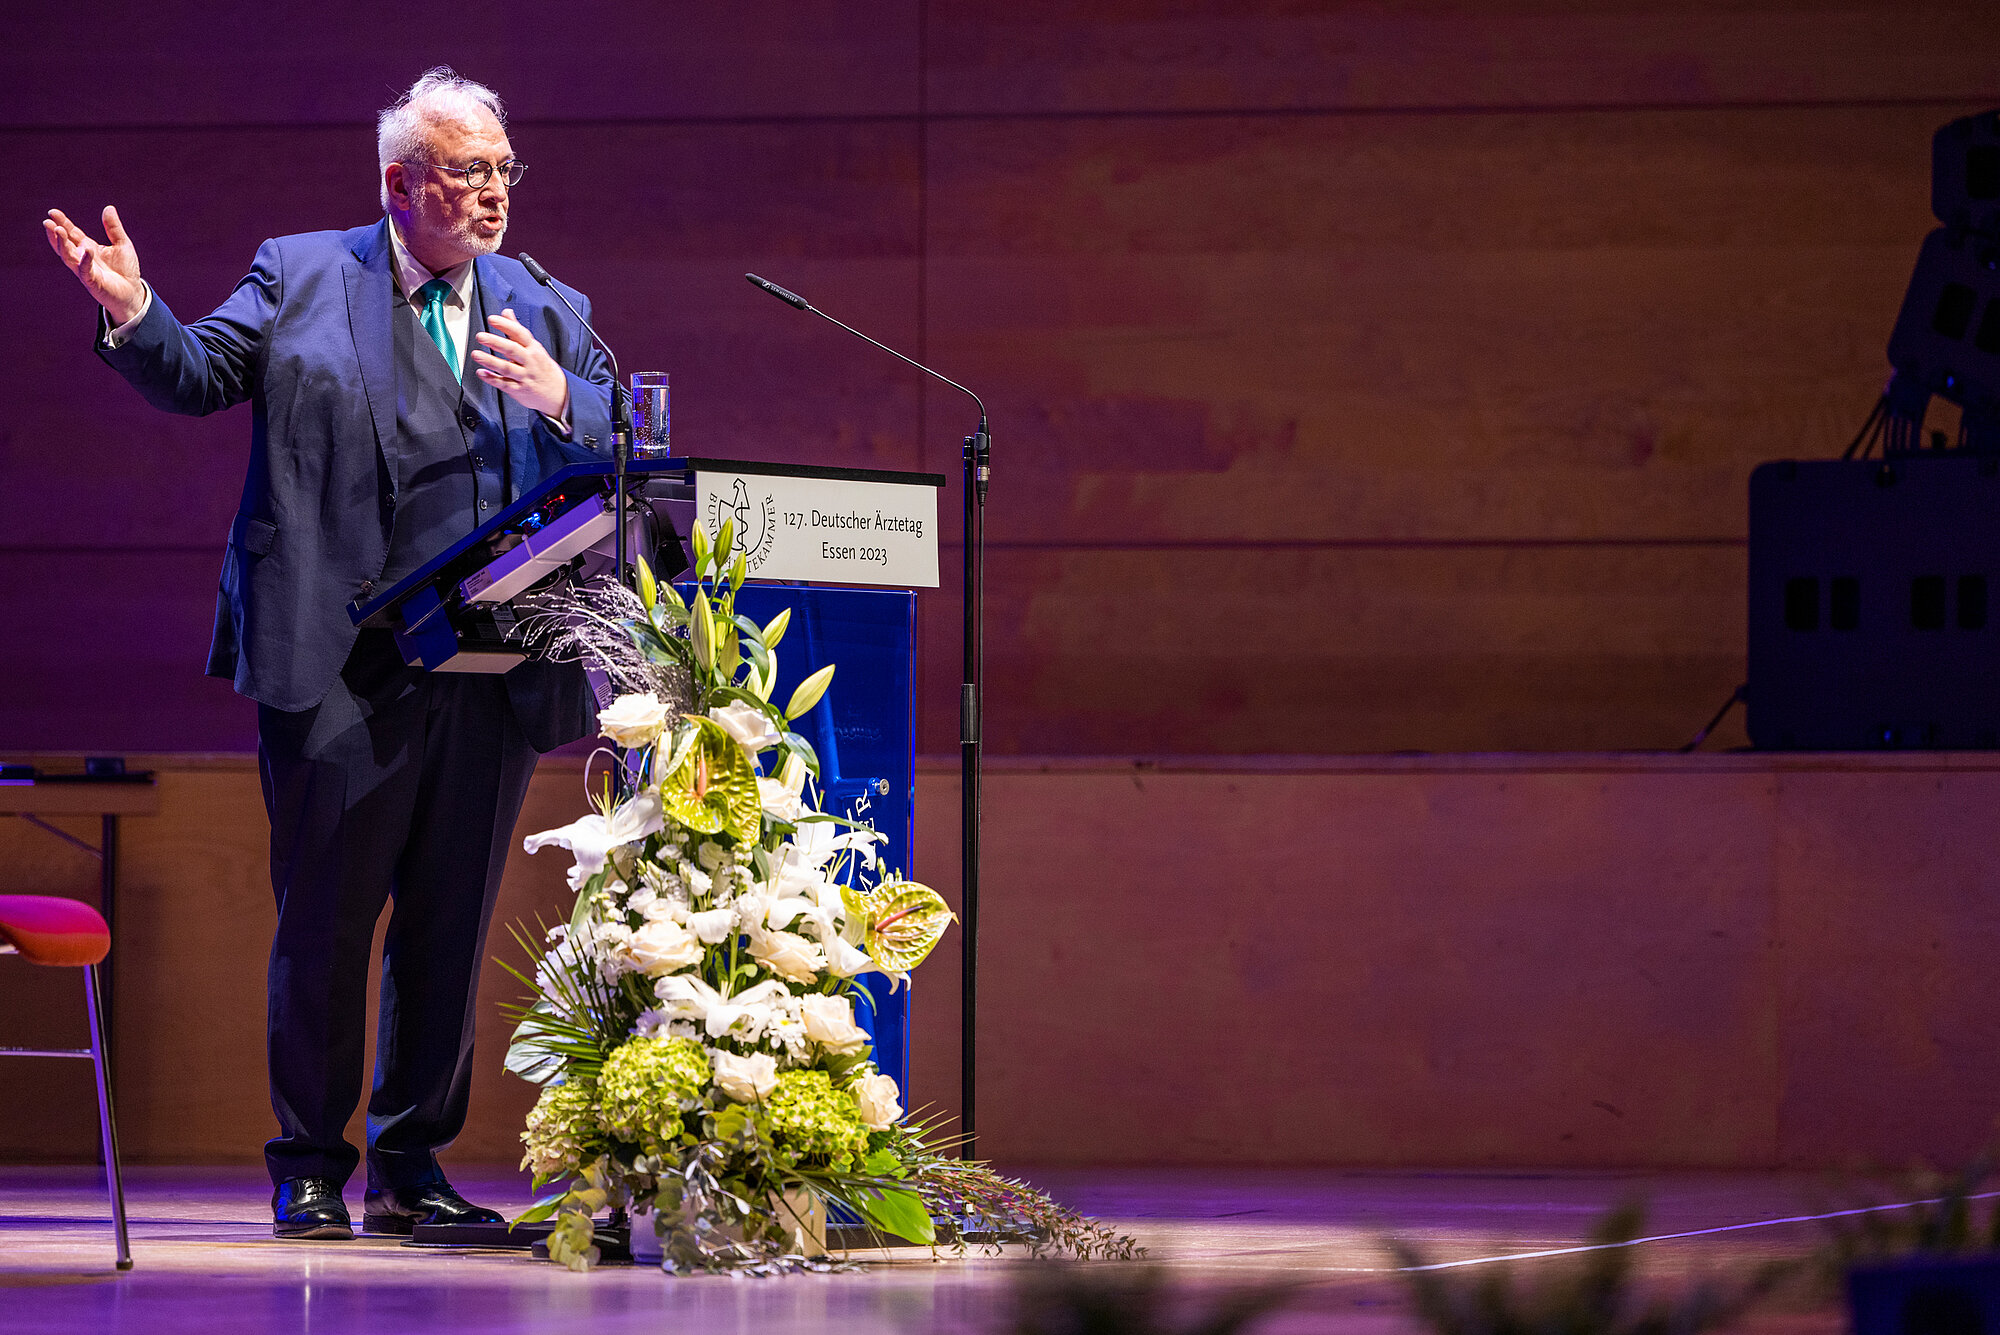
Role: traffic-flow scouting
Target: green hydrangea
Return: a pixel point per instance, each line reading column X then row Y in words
column 563, row 1132
column 811, row 1117
column 643, row 1084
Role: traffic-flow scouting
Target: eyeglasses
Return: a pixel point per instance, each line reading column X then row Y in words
column 481, row 171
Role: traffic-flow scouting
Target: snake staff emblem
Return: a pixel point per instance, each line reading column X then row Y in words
column 755, row 519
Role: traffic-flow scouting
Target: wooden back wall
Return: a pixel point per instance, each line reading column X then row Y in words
column 1362, row 377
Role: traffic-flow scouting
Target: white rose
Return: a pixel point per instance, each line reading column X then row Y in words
column 830, row 1023
column 662, row 946
column 749, row 725
column 633, row 720
column 781, row 795
column 780, row 801
column 713, row 926
column 787, row 955
column 875, row 1095
column 746, row 1079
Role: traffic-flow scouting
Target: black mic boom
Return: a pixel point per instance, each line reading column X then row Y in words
column 789, row 298
column 971, row 743
column 621, row 402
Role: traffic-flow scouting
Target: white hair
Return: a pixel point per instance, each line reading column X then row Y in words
column 402, row 131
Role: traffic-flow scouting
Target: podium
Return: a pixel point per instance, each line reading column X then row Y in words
column 843, row 548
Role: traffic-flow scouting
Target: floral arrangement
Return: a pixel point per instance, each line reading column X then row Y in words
column 693, row 1025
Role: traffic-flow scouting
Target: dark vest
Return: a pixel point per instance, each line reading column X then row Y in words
column 450, row 451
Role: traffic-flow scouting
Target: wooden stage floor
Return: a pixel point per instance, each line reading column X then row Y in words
column 206, row 1261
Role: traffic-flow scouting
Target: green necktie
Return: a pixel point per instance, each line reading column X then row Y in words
column 432, row 318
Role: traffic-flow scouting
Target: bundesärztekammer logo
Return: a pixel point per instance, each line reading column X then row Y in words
column 755, row 518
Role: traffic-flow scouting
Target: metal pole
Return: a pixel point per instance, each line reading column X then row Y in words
column 107, row 894
column 971, row 739
column 107, row 1127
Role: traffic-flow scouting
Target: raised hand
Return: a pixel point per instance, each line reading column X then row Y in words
column 109, row 273
column 513, row 361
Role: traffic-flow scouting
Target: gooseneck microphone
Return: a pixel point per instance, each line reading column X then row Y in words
column 621, row 403
column 978, row 470
column 789, row 298
column 793, row 299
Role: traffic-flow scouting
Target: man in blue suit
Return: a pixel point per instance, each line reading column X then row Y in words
column 383, row 429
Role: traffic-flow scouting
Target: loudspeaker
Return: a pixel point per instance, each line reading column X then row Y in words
column 1875, row 604
column 1965, row 173
column 1947, row 335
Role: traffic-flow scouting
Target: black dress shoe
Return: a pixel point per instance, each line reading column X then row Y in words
column 309, row 1207
column 400, row 1209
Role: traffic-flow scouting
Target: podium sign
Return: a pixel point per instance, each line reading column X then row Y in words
column 852, row 529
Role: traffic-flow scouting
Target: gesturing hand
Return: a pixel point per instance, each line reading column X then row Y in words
column 514, row 362
column 109, row 273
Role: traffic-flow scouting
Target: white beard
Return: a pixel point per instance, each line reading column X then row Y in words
column 463, row 231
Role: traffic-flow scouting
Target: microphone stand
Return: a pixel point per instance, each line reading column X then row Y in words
column 977, row 473
column 621, row 411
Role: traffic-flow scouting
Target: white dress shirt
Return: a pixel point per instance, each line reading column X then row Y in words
column 411, row 275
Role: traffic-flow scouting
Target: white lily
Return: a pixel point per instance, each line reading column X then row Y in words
column 684, row 996
column 812, row 845
column 846, row 961
column 819, row 841
column 820, row 921
column 861, row 842
column 798, row 875
column 749, row 1013
column 591, row 838
column 784, row 908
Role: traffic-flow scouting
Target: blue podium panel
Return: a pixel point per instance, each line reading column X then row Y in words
column 864, row 729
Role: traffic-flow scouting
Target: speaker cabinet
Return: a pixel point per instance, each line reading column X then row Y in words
column 1875, row 604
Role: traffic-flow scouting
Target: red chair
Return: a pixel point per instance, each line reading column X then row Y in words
column 43, row 929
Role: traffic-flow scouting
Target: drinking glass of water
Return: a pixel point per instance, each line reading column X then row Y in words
column 652, row 425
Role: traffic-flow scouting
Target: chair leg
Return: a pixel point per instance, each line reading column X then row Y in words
column 107, row 1128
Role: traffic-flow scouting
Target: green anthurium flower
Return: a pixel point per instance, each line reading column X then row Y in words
column 901, row 921
column 712, row 787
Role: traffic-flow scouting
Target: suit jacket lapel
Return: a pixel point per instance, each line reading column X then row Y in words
column 496, row 294
column 370, row 292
